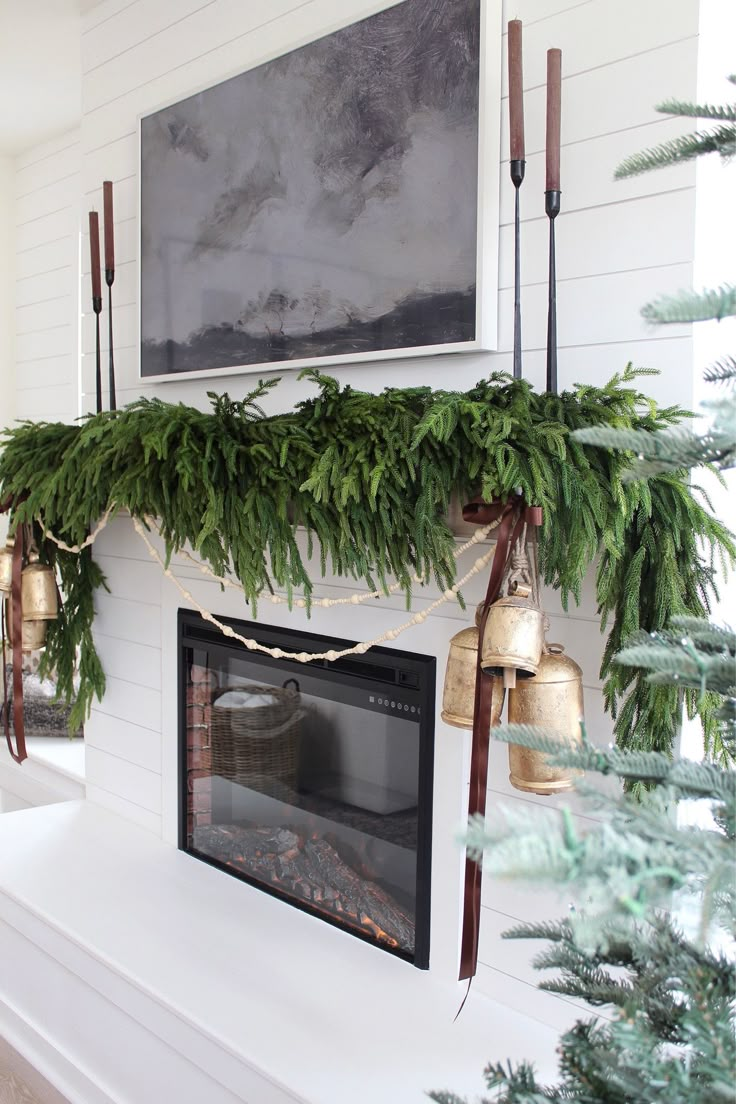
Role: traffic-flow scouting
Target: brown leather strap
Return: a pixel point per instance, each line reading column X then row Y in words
column 16, row 605
column 483, row 514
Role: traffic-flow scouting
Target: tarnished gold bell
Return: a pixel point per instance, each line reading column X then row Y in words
column 6, row 566
column 514, row 638
column 458, row 697
column 38, row 591
column 33, row 632
column 552, row 700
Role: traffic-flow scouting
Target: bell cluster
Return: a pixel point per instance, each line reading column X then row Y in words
column 544, row 687
column 39, row 597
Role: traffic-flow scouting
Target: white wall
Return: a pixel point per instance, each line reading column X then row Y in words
column 47, row 205
column 7, row 276
column 618, row 246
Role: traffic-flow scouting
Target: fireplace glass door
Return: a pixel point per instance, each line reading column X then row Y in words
column 312, row 781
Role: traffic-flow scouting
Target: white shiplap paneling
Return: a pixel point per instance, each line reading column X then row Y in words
column 47, row 207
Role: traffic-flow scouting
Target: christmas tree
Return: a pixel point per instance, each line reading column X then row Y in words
column 653, row 938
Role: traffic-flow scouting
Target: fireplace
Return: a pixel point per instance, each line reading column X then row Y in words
column 311, row 781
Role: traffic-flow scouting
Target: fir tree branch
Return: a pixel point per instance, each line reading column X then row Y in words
column 721, row 371
column 686, row 148
column 688, row 779
column 684, row 110
column 691, row 306
column 665, row 451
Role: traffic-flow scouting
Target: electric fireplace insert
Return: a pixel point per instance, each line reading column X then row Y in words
column 312, row 781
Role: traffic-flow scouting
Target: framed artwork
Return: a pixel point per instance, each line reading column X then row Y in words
column 328, row 206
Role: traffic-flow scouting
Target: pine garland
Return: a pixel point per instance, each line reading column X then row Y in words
column 370, row 479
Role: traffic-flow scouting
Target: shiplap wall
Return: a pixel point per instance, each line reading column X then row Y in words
column 618, row 245
column 47, row 221
column 7, row 291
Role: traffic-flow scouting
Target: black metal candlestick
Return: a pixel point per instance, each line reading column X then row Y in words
column 517, row 178
column 97, row 308
column 109, row 278
column 552, row 207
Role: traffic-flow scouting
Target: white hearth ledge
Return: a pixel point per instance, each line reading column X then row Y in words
column 53, row 771
column 132, row 973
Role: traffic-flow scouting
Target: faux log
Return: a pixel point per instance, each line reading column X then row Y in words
column 310, row 869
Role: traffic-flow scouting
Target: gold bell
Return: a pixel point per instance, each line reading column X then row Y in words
column 552, row 700
column 38, row 591
column 6, row 566
column 513, row 638
column 33, row 632
column 458, row 698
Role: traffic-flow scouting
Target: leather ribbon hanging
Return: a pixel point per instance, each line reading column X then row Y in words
column 16, row 605
column 514, row 515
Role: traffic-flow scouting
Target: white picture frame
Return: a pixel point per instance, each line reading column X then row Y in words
column 216, row 228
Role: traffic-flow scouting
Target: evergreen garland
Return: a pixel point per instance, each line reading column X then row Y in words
column 370, row 479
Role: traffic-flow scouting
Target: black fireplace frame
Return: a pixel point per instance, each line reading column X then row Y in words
column 413, row 682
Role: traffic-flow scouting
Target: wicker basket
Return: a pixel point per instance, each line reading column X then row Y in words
column 254, row 744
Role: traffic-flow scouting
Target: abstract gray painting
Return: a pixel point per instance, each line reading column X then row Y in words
column 322, row 205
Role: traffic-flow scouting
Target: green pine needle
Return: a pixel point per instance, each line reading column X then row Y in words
column 725, row 112
column 692, row 306
column 721, row 140
column 722, row 371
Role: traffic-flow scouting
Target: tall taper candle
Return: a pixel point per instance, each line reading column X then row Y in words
column 554, row 107
column 109, row 227
column 516, row 92
column 94, row 254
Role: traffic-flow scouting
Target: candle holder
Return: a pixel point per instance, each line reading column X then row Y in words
column 552, row 208
column 94, row 257
column 97, row 308
column 109, row 280
column 518, row 168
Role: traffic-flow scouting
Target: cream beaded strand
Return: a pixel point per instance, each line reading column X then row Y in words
column 354, row 599
column 94, row 534
column 252, row 645
column 305, row 657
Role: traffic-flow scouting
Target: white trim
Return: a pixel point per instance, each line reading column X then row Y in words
column 61, row 1071
column 38, row 782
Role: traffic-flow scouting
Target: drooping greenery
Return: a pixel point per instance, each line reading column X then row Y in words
column 370, row 478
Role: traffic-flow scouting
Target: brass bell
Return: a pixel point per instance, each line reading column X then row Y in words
column 458, row 698
column 38, row 591
column 33, row 632
column 514, row 637
column 552, row 700
column 6, row 566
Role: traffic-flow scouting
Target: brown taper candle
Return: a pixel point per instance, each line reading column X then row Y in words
column 554, row 107
column 109, row 227
column 516, row 92
column 94, row 254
